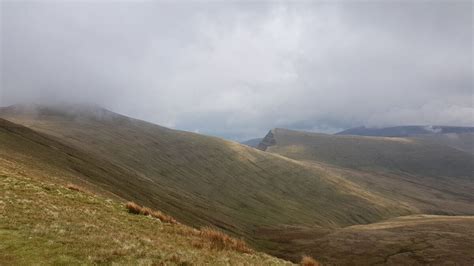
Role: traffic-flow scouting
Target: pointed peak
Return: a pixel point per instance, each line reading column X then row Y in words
column 268, row 140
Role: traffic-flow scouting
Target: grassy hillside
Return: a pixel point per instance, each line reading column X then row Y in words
column 398, row 155
column 432, row 195
column 409, row 240
column 432, row 177
column 198, row 179
column 45, row 223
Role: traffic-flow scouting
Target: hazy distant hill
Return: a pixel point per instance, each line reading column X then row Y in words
column 460, row 141
column 461, row 138
column 400, row 168
column 404, row 155
column 405, row 131
column 252, row 142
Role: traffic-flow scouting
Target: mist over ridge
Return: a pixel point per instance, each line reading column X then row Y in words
column 237, row 70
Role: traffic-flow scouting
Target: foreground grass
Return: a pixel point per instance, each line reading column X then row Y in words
column 45, row 223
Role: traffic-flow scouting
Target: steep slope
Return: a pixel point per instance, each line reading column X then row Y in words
column 198, row 179
column 435, row 178
column 44, row 223
column 405, row 131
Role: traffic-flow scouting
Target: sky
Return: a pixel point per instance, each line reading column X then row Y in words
column 237, row 69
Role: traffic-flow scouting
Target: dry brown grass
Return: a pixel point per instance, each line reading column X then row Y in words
column 134, row 208
column 220, row 240
column 163, row 217
column 75, row 187
column 309, row 261
column 216, row 238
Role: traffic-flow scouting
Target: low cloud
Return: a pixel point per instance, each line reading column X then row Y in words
column 237, row 70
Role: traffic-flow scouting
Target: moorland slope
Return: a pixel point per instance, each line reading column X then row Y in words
column 282, row 201
column 200, row 180
column 435, row 178
column 46, row 221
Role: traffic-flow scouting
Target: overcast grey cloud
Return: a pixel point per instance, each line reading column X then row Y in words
column 238, row 69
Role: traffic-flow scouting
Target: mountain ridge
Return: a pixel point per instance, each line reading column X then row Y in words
column 246, row 192
column 350, row 151
column 202, row 180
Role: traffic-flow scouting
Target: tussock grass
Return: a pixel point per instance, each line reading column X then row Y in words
column 163, row 217
column 134, row 208
column 220, row 240
column 309, row 261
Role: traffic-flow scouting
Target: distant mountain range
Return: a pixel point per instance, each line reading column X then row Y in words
column 405, row 131
column 397, row 131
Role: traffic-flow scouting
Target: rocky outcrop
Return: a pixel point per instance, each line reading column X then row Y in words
column 267, row 141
